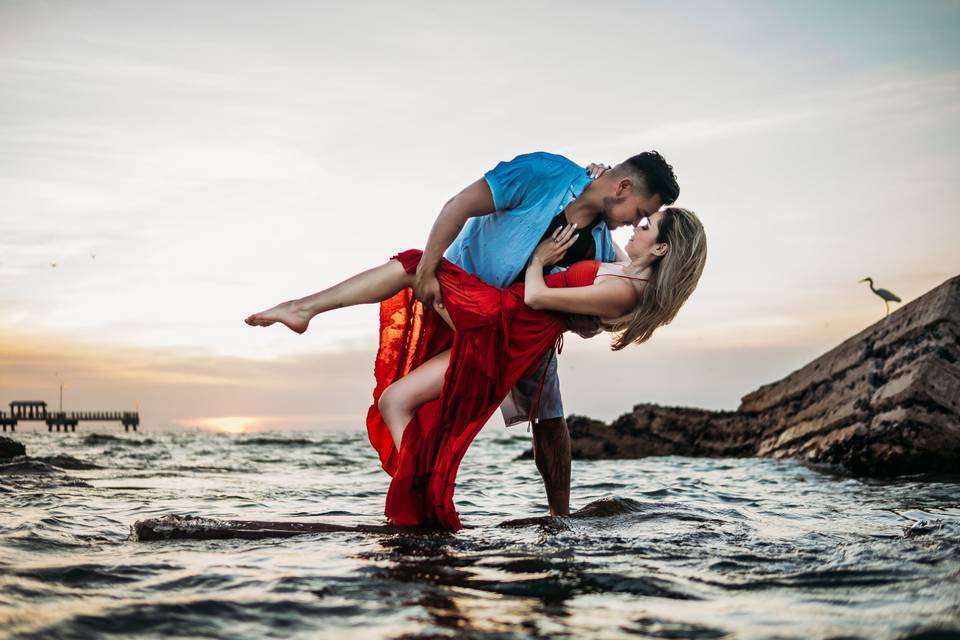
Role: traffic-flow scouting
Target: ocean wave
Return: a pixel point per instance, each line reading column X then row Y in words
column 64, row 461
column 202, row 617
column 96, row 439
column 661, row 628
column 603, row 508
column 647, row 559
column 262, row 441
column 90, row 575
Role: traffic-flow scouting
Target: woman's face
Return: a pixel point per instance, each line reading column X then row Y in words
column 644, row 239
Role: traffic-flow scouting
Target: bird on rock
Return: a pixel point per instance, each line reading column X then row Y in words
column 885, row 295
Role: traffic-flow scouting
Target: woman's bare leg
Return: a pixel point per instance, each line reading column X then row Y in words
column 367, row 287
column 400, row 400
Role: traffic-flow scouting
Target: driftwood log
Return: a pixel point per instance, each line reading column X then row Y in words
column 174, row 527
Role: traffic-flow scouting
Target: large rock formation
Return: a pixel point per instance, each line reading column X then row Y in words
column 884, row 402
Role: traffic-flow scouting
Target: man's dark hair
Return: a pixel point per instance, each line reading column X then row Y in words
column 655, row 173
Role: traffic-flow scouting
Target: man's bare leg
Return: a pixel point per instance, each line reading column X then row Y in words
column 551, row 452
column 367, row 287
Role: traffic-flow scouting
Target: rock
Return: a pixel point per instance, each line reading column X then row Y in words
column 884, row 402
column 11, row 448
column 652, row 430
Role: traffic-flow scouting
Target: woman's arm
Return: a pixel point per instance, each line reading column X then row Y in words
column 609, row 299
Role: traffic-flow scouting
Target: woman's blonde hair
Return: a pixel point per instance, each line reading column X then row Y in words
column 674, row 278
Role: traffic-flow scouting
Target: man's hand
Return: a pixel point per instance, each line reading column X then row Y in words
column 426, row 288
column 474, row 200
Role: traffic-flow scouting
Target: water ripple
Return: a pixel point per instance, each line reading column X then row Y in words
column 665, row 547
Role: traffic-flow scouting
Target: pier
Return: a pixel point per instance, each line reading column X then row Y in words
column 36, row 411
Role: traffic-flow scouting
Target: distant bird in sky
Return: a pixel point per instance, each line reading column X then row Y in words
column 885, row 295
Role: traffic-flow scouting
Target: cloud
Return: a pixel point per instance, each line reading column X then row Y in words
column 705, row 129
column 202, row 164
column 220, row 161
column 178, row 386
column 867, row 99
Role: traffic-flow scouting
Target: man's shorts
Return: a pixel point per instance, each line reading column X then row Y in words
column 523, row 396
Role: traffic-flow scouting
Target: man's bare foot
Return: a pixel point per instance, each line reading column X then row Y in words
column 287, row 313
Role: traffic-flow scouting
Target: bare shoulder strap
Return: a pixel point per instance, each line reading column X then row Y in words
column 617, row 275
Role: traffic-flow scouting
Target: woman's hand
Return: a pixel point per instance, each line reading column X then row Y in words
column 552, row 250
column 596, row 170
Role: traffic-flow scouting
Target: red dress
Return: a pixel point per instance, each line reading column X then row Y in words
column 498, row 340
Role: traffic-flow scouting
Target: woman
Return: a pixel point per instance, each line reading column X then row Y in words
column 440, row 374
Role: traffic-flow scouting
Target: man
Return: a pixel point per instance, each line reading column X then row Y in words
column 492, row 227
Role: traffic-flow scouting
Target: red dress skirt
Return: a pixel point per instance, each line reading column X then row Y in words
column 498, row 340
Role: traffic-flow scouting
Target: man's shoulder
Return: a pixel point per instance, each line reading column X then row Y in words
column 533, row 179
column 543, row 157
column 541, row 166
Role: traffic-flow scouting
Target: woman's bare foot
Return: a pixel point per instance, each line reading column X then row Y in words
column 287, row 313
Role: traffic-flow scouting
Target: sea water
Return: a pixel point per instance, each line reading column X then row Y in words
column 685, row 548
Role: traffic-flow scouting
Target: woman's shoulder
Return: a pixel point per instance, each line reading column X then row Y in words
column 619, row 277
column 609, row 268
column 620, row 271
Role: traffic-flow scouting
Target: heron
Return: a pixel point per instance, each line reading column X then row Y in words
column 885, row 295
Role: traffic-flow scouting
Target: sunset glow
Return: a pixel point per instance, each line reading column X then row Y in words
column 225, row 424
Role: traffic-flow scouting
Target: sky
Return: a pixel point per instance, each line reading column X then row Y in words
column 184, row 164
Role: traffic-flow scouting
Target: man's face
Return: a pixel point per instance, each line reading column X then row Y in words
column 627, row 205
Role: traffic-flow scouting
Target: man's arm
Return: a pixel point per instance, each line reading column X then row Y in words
column 474, row 200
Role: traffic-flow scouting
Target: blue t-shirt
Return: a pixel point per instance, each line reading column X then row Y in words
column 527, row 192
